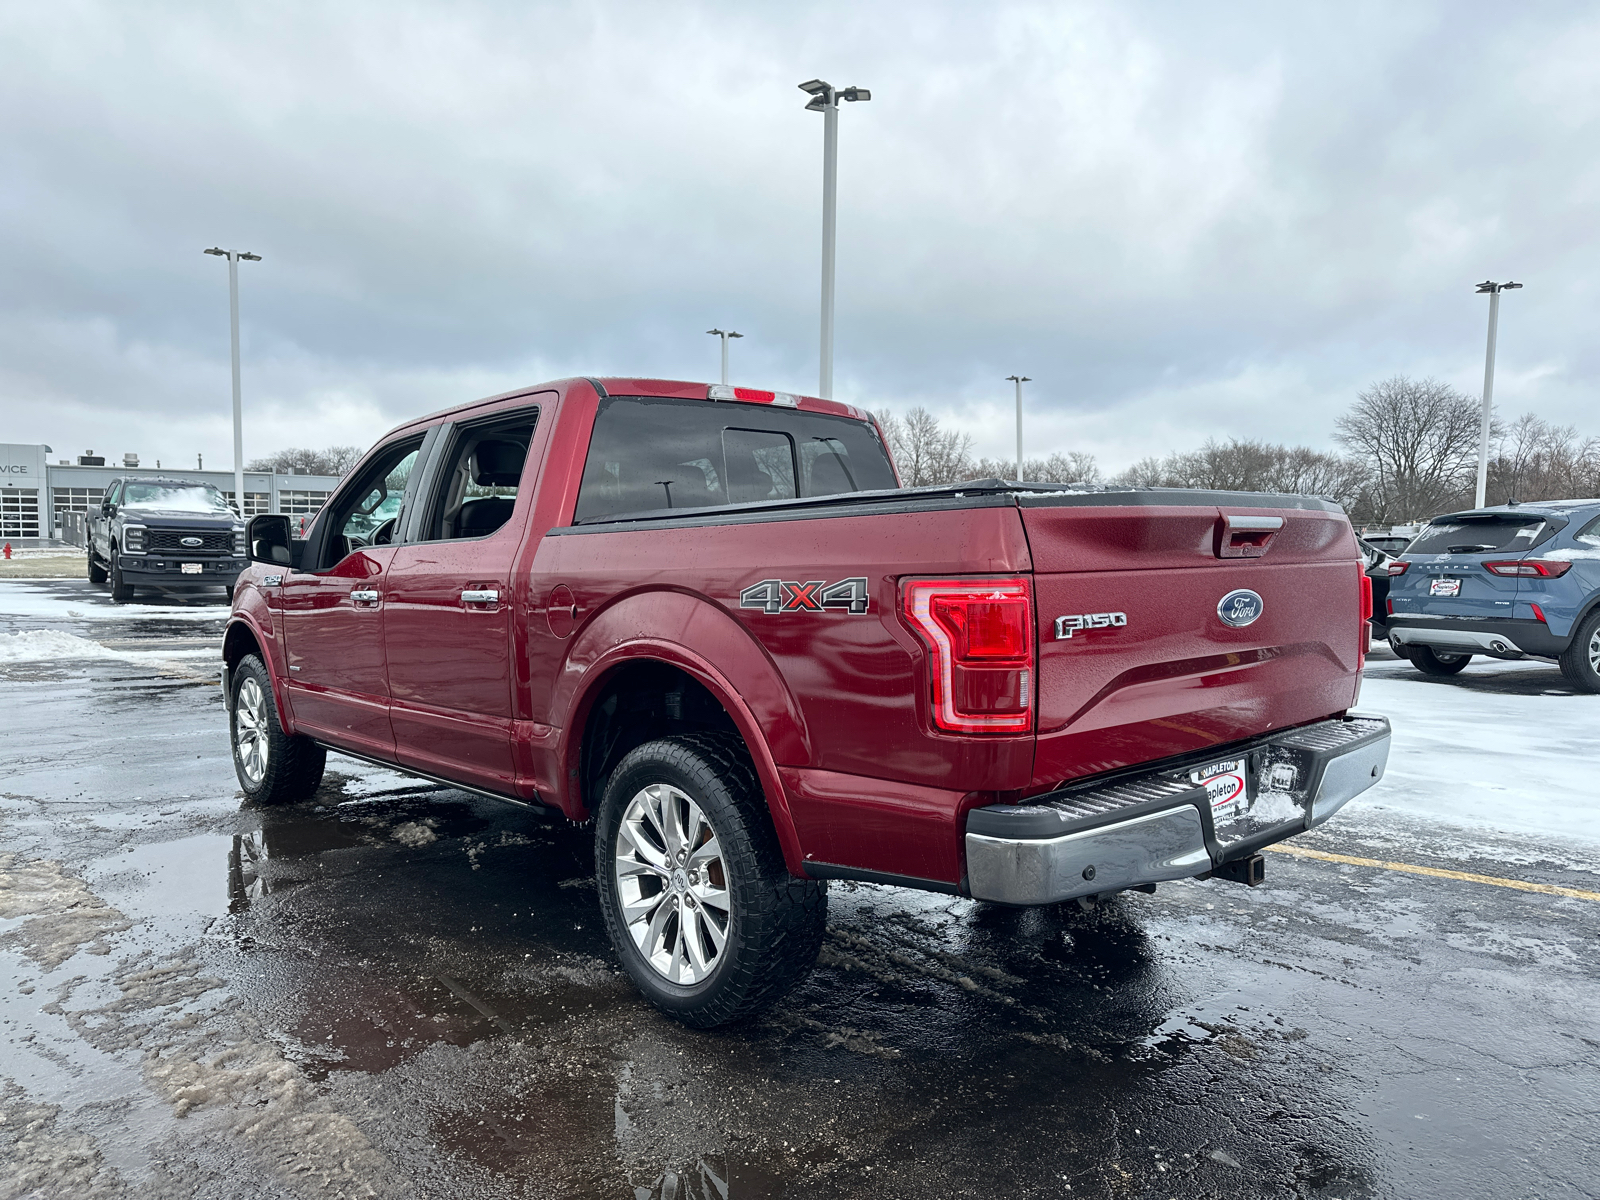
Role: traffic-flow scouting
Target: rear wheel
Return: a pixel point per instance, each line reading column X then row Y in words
column 121, row 589
column 699, row 905
column 273, row 767
column 1437, row 662
column 97, row 571
column 1580, row 662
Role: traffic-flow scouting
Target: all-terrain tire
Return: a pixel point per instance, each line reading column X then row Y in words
column 775, row 921
column 1430, row 662
column 121, row 589
column 97, row 572
column 273, row 767
column 1580, row 662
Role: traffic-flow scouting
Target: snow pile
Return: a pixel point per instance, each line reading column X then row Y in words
column 32, row 598
column 52, row 645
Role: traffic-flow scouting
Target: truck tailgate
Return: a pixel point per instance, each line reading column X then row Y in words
column 1144, row 667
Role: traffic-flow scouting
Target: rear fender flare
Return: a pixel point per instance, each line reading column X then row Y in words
column 712, row 648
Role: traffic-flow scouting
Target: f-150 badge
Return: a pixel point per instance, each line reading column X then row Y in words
column 814, row 596
column 1067, row 626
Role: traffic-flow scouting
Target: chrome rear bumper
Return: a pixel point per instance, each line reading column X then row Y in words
column 1157, row 826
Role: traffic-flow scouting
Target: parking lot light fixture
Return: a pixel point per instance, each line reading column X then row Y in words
column 1491, row 289
column 825, row 100
column 725, row 334
column 1019, row 380
column 233, row 257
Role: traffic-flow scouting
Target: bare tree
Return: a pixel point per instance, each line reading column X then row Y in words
column 1078, row 466
column 1420, row 438
column 924, row 453
column 1247, row 466
column 1534, row 460
column 335, row 460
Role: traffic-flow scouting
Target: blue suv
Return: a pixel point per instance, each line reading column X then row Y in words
column 1515, row 581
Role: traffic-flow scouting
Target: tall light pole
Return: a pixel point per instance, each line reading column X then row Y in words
column 1492, row 289
column 1019, row 380
column 825, row 100
column 725, row 334
column 233, row 257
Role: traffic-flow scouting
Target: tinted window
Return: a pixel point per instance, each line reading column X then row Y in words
column 478, row 482
column 1589, row 535
column 1480, row 535
column 661, row 453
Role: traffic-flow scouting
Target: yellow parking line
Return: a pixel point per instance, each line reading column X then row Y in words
column 1521, row 885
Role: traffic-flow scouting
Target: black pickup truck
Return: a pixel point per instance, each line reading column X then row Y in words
column 172, row 534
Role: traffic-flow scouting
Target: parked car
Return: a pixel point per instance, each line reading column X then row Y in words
column 1513, row 581
column 706, row 623
column 1377, row 562
column 173, row 534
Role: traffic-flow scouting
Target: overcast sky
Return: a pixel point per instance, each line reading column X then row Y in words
column 1181, row 220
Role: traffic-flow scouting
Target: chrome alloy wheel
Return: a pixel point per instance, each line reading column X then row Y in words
column 1594, row 651
column 672, row 884
column 250, row 730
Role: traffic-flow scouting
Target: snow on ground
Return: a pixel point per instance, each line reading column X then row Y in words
column 27, row 601
column 1503, row 745
column 50, row 645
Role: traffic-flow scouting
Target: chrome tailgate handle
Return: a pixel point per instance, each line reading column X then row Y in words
column 480, row 596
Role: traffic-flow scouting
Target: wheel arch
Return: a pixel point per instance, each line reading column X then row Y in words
column 641, row 691
column 243, row 637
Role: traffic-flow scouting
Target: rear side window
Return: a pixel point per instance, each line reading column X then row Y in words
column 1589, row 535
column 1481, row 535
column 656, row 453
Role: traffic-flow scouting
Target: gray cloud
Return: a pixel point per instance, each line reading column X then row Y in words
column 1181, row 221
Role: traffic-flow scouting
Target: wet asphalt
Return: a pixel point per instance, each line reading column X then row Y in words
column 398, row 989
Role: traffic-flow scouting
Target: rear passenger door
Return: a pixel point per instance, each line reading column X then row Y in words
column 448, row 608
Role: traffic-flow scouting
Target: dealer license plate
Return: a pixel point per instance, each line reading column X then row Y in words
column 192, row 568
column 1225, row 784
column 1444, row 587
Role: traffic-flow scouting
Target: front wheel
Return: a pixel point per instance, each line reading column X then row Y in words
column 1437, row 662
column 701, row 910
column 273, row 767
column 121, row 589
column 1580, row 662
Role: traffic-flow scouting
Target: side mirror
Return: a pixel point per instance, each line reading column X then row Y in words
column 108, row 509
column 268, row 539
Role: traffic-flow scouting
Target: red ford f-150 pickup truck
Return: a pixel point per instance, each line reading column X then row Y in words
column 709, row 622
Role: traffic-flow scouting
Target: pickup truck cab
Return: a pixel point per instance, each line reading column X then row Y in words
column 172, row 534
column 707, row 624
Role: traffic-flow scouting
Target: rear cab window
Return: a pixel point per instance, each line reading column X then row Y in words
column 653, row 453
column 1496, row 534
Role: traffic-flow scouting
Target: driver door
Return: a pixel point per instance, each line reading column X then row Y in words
column 332, row 609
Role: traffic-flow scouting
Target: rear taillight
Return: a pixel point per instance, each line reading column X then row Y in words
column 1539, row 568
column 979, row 634
column 1365, row 641
column 1398, row 568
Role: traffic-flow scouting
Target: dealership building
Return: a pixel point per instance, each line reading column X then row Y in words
column 36, row 487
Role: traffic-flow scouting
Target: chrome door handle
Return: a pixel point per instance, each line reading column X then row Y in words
column 362, row 596
column 483, row 596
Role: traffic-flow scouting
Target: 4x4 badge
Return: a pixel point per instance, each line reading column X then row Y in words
column 816, row 595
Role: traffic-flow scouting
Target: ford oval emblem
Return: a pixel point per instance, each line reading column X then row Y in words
column 191, row 542
column 1239, row 608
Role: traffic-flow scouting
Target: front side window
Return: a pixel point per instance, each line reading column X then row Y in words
column 368, row 513
column 650, row 453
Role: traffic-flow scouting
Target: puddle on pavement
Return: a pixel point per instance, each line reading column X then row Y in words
column 166, row 879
